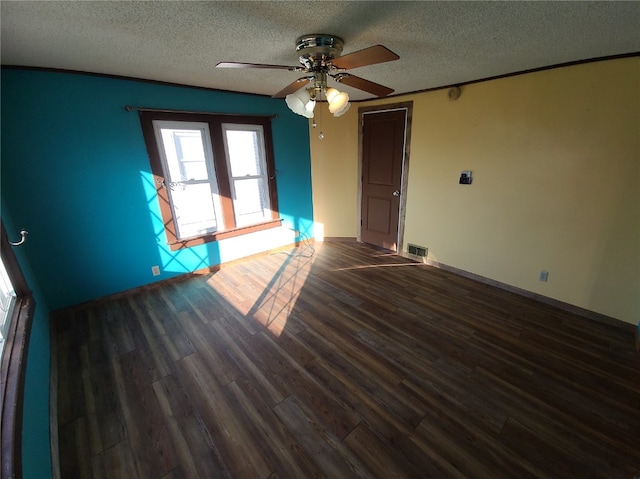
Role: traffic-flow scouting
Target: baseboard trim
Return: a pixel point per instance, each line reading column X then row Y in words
column 340, row 239
column 571, row 308
column 182, row 277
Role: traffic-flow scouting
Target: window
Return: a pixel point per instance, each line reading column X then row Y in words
column 187, row 162
column 244, row 148
column 7, row 302
column 18, row 308
column 215, row 174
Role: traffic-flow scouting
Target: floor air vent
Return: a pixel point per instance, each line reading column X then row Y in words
column 418, row 253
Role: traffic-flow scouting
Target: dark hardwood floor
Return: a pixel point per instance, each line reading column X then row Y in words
column 348, row 363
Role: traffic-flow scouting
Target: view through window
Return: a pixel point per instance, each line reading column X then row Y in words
column 7, row 303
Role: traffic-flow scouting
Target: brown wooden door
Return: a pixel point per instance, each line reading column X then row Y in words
column 383, row 136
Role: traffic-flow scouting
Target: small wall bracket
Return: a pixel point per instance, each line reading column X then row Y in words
column 23, row 238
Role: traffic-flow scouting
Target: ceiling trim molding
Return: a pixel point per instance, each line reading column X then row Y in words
column 126, row 78
column 516, row 73
column 414, row 92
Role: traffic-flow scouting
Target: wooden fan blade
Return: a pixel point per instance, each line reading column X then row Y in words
column 368, row 56
column 256, row 65
column 362, row 84
column 292, row 87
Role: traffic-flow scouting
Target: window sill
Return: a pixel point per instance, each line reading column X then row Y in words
column 220, row 235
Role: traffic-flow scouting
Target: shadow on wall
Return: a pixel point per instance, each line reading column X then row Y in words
column 182, row 261
column 186, row 260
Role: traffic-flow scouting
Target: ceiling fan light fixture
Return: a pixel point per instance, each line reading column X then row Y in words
column 343, row 111
column 338, row 102
column 331, row 93
column 301, row 103
column 308, row 108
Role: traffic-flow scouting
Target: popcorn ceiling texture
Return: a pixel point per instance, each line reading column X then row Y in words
column 439, row 43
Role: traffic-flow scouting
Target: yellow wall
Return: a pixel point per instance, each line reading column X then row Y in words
column 334, row 172
column 555, row 157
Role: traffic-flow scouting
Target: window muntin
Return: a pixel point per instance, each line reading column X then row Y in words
column 246, row 159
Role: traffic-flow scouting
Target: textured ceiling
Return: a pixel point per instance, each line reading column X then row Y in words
column 439, row 43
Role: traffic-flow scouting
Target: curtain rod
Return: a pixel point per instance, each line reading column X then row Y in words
column 161, row 110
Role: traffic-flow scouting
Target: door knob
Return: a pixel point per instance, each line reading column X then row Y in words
column 396, row 193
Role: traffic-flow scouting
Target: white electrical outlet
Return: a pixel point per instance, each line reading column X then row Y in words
column 544, row 276
column 155, row 270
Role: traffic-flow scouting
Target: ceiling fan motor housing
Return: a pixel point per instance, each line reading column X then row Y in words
column 318, row 49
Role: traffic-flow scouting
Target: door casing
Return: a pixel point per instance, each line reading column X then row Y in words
column 408, row 108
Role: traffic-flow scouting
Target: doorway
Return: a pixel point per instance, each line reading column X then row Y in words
column 384, row 138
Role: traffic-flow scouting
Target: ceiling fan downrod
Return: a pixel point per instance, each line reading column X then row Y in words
column 320, row 81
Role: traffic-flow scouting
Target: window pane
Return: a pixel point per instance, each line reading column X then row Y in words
column 7, row 300
column 187, row 156
column 193, row 209
column 244, row 153
column 184, row 151
column 249, row 203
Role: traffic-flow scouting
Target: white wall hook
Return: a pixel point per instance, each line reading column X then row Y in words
column 23, row 234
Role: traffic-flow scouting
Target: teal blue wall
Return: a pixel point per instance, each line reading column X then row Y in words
column 75, row 174
column 35, row 431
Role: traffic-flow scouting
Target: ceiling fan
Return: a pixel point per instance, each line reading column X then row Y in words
column 320, row 56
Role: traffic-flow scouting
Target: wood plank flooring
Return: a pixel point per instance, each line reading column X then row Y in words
column 345, row 363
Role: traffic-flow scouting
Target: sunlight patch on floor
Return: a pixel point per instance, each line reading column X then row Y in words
column 266, row 294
